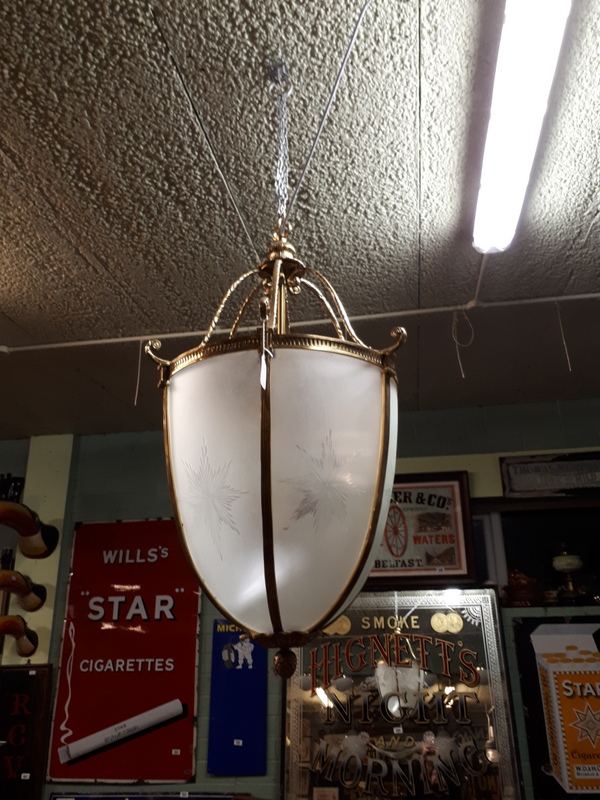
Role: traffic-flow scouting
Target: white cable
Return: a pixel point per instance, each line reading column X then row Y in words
column 307, row 323
column 564, row 341
column 198, row 119
column 455, row 336
column 139, row 369
column 329, row 104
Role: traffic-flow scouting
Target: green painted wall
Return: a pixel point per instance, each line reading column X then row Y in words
column 13, row 456
column 499, row 429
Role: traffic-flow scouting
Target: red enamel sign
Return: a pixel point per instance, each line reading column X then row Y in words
column 128, row 670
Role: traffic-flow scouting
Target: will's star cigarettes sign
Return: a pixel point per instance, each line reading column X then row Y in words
column 568, row 663
column 127, row 684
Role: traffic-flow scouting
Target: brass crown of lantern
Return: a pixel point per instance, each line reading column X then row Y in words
column 281, row 274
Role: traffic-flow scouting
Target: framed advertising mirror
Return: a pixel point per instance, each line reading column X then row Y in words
column 404, row 696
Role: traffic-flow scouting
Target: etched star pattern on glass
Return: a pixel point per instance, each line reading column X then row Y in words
column 211, row 495
column 325, row 486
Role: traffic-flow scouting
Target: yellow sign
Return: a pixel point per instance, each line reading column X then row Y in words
column 568, row 660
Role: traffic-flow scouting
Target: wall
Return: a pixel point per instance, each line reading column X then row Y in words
column 123, row 477
column 46, row 485
column 472, row 439
column 13, row 460
column 13, row 456
column 496, row 429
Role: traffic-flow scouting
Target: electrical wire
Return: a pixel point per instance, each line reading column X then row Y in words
column 458, row 344
column 564, row 341
column 202, row 127
column 328, row 106
column 392, row 315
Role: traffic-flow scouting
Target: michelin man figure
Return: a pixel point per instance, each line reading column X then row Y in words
column 244, row 650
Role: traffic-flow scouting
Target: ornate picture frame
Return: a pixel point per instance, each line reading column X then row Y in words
column 428, row 537
column 551, row 475
column 405, row 696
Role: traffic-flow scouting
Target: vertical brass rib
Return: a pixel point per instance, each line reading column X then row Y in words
column 265, row 495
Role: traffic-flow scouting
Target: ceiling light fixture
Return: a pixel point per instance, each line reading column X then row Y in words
column 529, row 49
column 281, row 446
column 281, row 450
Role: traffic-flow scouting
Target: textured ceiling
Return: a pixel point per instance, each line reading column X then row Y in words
column 116, row 225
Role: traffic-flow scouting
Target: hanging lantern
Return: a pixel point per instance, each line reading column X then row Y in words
column 280, row 446
column 281, row 450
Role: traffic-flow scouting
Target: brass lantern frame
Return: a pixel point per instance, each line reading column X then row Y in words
column 281, row 276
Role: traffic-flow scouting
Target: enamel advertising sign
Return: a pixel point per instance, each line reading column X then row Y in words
column 237, row 734
column 126, row 696
column 568, row 664
column 24, row 713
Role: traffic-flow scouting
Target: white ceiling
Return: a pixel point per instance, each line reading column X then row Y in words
column 116, row 225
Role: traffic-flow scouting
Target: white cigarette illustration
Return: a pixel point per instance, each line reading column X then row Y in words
column 129, row 727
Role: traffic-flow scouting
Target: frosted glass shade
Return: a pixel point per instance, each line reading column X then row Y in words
column 281, row 487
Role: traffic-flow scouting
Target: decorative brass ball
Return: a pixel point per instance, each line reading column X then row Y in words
column 284, row 663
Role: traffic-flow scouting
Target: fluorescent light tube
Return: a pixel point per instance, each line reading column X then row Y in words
column 529, row 48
